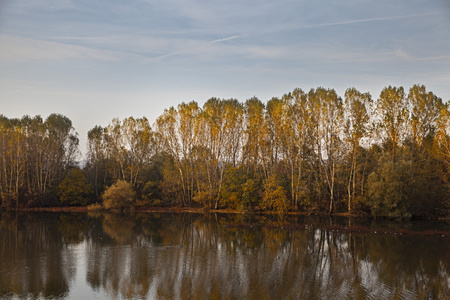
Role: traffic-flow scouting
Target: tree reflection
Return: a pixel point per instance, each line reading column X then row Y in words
column 195, row 256
column 198, row 256
column 34, row 261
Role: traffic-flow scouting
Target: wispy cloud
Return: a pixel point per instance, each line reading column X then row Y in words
column 15, row 49
column 191, row 46
column 108, row 48
column 162, row 57
column 132, row 43
column 368, row 20
column 226, row 39
column 439, row 57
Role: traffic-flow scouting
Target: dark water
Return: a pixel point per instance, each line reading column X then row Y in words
column 190, row 256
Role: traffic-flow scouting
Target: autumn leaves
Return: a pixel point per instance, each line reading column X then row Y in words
column 311, row 151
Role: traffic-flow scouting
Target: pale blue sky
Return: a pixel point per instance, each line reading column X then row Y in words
column 96, row 60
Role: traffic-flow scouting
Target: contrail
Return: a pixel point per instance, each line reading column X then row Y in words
column 434, row 57
column 368, row 20
column 226, row 39
column 167, row 55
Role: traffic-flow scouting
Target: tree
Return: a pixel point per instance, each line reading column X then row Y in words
column 240, row 190
column 327, row 118
column 122, row 150
column 97, row 158
column 211, row 159
column 270, row 139
column 425, row 109
column 442, row 145
column 295, row 137
column 176, row 132
column 119, row 196
column 357, row 108
column 60, row 128
column 232, row 132
column 392, row 117
column 34, row 157
column 116, row 150
column 75, row 189
column 58, row 150
column 139, row 142
column 391, row 188
column 274, row 197
column 254, row 124
column 13, row 155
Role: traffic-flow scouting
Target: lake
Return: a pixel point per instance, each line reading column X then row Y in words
column 220, row 256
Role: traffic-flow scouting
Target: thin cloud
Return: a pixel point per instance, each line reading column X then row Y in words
column 15, row 49
column 190, row 49
column 164, row 56
column 435, row 57
column 79, row 38
column 368, row 20
column 226, row 39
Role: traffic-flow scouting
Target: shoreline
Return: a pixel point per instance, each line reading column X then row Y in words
column 283, row 225
column 202, row 210
column 175, row 209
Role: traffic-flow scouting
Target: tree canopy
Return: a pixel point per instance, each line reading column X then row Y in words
column 309, row 151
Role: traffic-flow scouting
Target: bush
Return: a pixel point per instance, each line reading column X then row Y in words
column 249, row 195
column 119, row 196
column 150, row 193
column 95, row 207
column 274, row 197
column 239, row 190
column 75, row 189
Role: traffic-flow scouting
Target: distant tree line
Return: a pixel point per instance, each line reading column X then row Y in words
column 313, row 152
column 34, row 156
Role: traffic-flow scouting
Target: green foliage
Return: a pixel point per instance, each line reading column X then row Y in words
column 389, row 187
column 75, row 189
column 428, row 194
column 240, row 191
column 250, row 194
column 231, row 194
column 150, row 190
column 409, row 186
column 119, row 196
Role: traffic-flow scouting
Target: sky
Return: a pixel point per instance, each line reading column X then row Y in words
column 93, row 61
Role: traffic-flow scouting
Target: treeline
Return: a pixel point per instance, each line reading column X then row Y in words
column 313, row 152
column 34, row 156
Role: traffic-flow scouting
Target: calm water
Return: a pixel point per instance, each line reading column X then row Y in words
column 190, row 256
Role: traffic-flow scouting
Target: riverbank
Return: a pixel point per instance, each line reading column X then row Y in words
column 202, row 210
column 177, row 209
column 160, row 209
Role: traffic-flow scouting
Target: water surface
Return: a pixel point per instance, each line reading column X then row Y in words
column 194, row 256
